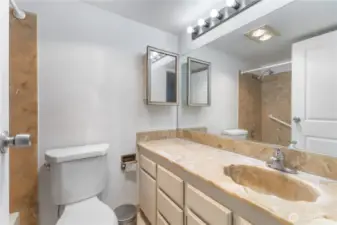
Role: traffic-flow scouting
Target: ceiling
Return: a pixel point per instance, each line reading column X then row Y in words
column 296, row 21
column 173, row 16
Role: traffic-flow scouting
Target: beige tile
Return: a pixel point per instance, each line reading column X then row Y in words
column 23, row 117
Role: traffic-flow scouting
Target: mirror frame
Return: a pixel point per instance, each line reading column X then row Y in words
column 189, row 102
column 148, row 76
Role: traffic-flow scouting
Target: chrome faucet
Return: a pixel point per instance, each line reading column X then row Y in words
column 277, row 162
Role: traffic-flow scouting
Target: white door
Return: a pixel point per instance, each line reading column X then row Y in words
column 4, row 115
column 314, row 94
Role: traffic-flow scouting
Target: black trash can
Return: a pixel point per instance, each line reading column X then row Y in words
column 126, row 214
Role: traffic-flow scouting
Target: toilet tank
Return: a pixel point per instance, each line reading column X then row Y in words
column 77, row 173
column 236, row 134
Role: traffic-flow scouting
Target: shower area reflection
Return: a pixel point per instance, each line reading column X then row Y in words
column 265, row 103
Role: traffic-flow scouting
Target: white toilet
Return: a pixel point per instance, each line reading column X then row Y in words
column 78, row 175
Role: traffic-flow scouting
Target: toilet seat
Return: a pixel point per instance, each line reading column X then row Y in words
column 88, row 212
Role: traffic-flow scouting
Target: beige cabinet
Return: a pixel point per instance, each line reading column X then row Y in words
column 192, row 219
column 237, row 220
column 148, row 166
column 161, row 220
column 172, row 213
column 166, row 199
column 147, row 196
column 171, row 185
column 205, row 208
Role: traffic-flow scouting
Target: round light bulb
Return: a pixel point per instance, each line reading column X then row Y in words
column 214, row 13
column 259, row 33
column 201, row 22
column 154, row 55
column 190, row 30
column 265, row 37
column 233, row 3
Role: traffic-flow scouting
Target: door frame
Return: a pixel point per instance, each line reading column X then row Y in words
column 4, row 109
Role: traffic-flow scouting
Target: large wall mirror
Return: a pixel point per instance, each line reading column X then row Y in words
column 162, row 77
column 199, row 89
column 273, row 80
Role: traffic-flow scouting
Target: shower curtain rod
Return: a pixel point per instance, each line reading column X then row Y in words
column 266, row 67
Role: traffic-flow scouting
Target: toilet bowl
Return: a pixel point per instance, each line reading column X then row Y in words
column 88, row 212
column 78, row 175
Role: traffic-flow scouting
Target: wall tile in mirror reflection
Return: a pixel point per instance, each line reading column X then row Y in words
column 162, row 77
column 198, row 82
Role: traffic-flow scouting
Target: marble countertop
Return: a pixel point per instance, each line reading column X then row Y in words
column 208, row 163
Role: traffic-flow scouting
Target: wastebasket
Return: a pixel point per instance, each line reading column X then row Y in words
column 126, row 214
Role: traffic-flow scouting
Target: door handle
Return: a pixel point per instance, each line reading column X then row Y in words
column 297, row 119
column 18, row 141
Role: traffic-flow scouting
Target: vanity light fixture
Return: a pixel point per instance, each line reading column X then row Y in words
column 262, row 34
column 217, row 17
column 202, row 23
column 190, row 30
column 215, row 14
column 233, row 4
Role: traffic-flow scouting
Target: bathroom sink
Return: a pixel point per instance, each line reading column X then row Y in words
column 271, row 183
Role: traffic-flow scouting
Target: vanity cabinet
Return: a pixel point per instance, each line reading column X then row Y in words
column 161, row 220
column 147, row 188
column 166, row 199
column 171, row 185
column 205, row 209
column 192, row 219
column 171, row 212
column 237, row 220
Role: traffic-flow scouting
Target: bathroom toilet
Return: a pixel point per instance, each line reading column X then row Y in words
column 78, row 175
column 236, row 134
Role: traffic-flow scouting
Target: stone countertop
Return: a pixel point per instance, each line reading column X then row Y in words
column 208, row 163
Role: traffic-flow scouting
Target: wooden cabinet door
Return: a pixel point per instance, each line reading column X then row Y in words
column 147, row 196
column 237, row 220
column 173, row 214
column 192, row 219
column 210, row 211
column 161, row 220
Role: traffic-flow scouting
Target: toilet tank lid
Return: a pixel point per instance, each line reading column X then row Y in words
column 235, row 132
column 75, row 153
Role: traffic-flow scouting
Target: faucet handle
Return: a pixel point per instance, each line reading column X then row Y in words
column 278, row 154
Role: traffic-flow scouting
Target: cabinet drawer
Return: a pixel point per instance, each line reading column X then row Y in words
column 161, row 220
column 171, row 185
column 193, row 219
column 237, row 220
column 207, row 209
column 172, row 213
column 147, row 195
column 148, row 166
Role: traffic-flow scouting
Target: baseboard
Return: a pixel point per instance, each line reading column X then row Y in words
column 14, row 219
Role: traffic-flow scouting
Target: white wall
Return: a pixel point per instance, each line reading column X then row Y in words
column 223, row 112
column 91, row 89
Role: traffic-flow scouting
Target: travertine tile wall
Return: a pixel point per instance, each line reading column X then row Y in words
column 276, row 100
column 23, row 117
column 250, row 106
column 260, row 98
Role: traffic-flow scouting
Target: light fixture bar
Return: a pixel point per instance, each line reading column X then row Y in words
column 226, row 14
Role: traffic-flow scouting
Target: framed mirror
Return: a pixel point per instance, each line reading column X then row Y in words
column 162, row 77
column 198, row 82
